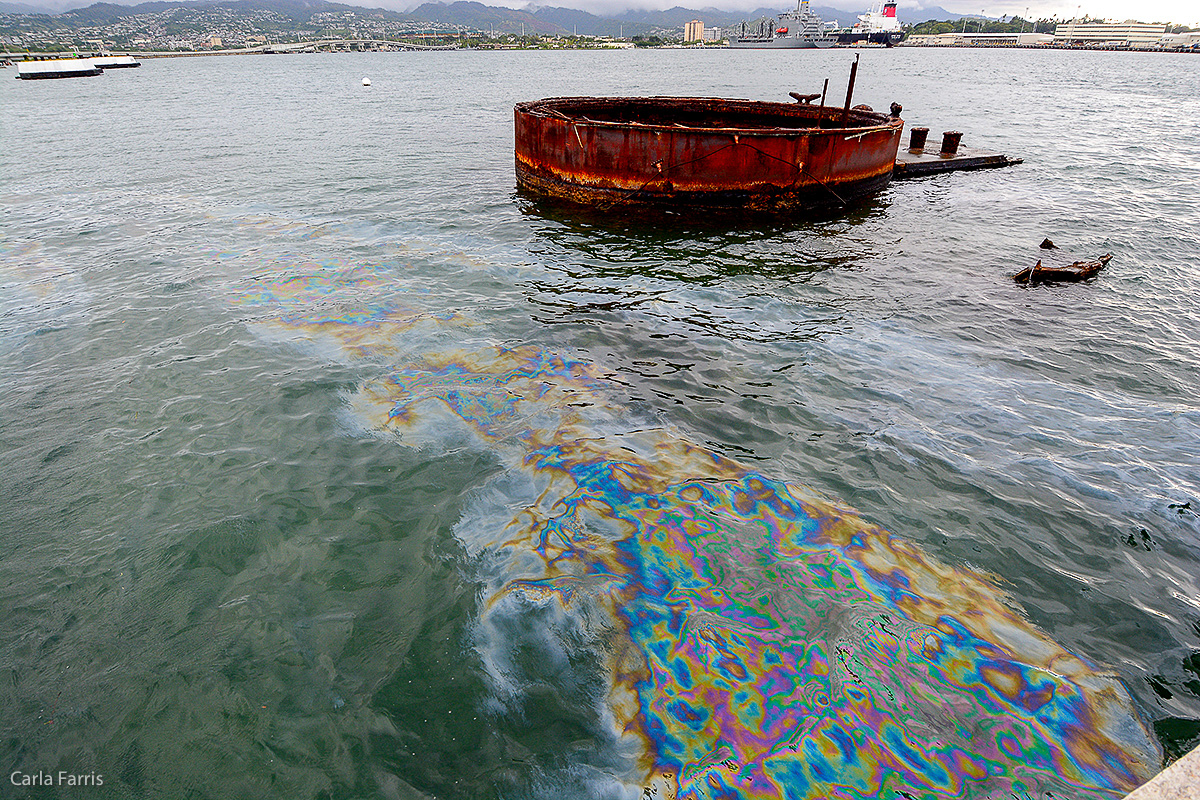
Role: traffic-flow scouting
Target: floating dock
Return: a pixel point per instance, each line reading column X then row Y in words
column 919, row 160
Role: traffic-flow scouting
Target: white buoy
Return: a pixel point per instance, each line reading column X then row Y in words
column 366, row 81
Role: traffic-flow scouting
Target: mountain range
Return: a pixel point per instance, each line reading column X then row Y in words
column 532, row 19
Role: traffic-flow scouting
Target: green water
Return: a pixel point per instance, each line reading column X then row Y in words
column 219, row 580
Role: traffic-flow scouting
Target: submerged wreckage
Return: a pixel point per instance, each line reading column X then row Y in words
column 707, row 152
column 1074, row 272
column 716, row 154
column 701, row 152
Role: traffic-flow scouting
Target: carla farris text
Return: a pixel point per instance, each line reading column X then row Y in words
column 60, row 778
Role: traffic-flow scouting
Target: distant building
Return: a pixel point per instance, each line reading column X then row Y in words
column 214, row 42
column 693, row 31
column 1122, row 33
column 1180, row 40
column 978, row 39
column 712, row 35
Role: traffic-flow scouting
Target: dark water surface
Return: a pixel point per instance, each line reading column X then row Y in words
column 292, row 384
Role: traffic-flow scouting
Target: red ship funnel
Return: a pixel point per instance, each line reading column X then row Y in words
column 889, row 9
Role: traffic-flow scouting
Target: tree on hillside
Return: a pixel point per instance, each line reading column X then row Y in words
column 978, row 25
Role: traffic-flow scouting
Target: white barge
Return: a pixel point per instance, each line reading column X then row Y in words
column 115, row 62
column 57, row 68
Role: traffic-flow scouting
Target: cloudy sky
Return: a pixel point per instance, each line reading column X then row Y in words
column 1145, row 11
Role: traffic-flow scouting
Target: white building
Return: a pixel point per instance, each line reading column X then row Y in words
column 1177, row 41
column 1128, row 33
column 978, row 39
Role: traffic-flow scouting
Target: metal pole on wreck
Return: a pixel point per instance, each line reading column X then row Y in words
column 850, row 90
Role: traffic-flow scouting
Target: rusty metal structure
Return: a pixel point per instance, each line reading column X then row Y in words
column 1074, row 272
column 709, row 153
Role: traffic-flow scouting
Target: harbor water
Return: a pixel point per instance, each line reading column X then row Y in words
column 331, row 467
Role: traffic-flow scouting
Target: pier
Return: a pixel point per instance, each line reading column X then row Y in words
column 312, row 46
column 351, row 45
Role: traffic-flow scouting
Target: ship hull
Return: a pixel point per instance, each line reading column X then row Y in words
column 885, row 38
column 782, row 43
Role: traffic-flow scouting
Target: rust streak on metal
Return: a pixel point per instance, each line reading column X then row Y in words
column 850, row 90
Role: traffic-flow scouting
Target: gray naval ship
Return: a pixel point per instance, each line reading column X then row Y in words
column 791, row 29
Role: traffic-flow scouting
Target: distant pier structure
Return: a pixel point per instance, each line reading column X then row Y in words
column 355, row 45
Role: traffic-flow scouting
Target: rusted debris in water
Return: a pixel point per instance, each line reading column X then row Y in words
column 1048, row 245
column 1078, row 271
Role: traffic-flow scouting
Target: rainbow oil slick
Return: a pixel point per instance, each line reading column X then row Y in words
column 758, row 641
column 353, row 307
column 37, row 292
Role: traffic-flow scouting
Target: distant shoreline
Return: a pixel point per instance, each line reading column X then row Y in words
column 310, row 48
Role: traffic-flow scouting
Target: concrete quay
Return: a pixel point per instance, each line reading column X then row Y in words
column 1180, row 781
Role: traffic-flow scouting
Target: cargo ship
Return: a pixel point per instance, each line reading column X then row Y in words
column 878, row 26
column 792, row 29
